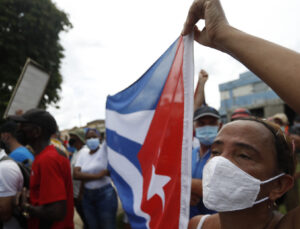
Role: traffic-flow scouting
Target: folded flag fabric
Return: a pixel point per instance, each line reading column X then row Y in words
column 149, row 140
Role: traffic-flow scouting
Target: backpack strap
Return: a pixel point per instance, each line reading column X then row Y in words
column 24, row 170
column 5, row 158
column 26, row 174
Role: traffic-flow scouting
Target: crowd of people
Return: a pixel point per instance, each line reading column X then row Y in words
column 54, row 189
column 220, row 184
column 252, row 162
column 243, row 171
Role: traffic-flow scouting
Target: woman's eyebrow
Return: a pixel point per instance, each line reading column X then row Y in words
column 247, row 146
column 238, row 144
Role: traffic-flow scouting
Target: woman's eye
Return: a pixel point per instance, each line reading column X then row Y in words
column 244, row 156
column 215, row 153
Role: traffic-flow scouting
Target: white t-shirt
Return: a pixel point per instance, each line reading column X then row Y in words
column 93, row 164
column 11, row 182
column 77, row 183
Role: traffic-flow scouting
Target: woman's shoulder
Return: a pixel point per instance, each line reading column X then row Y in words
column 82, row 155
column 208, row 221
column 291, row 220
column 102, row 151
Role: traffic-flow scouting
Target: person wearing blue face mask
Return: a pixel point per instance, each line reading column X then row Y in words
column 99, row 199
column 206, row 125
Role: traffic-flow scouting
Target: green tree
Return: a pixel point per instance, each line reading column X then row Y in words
column 30, row 28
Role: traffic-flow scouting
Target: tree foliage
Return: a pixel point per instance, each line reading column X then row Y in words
column 30, row 28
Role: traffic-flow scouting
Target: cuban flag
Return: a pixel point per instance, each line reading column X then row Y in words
column 149, row 140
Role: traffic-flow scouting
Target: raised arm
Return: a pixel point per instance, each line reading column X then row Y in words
column 199, row 99
column 277, row 66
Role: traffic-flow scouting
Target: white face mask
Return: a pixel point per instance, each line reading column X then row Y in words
column 226, row 187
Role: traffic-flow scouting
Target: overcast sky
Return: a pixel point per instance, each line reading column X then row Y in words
column 114, row 42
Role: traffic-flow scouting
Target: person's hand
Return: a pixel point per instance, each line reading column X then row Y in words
column 202, row 77
column 21, row 202
column 25, row 202
column 215, row 22
column 17, row 202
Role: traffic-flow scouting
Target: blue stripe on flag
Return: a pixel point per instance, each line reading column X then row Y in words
column 144, row 94
column 125, row 191
column 124, row 147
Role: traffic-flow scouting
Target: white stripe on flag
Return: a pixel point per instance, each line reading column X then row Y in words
column 132, row 177
column 188, row 81
column 133, row 126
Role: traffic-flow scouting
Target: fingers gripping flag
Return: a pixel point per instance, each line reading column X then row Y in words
column 149, row 140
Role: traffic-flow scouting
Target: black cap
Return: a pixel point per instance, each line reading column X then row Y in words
column 206, row 111
column 39, row 117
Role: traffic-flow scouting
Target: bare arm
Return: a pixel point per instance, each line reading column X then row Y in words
column 196, row 191
column 196, row 187
column 277, row 66
column 52, row 212
column 78, row 175
column 6, row 208
column 48, row 213
column 193, row 223
column 199, row 99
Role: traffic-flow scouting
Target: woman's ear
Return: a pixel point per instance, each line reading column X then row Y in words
column 281, row 186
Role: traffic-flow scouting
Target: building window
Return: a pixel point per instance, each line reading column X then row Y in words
column 258, row 112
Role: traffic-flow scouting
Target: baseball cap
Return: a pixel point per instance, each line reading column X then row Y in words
column 39, row 117
column 206, row 111
column 79, row 133
column 240, row 113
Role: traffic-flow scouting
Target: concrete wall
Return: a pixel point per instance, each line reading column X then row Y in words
column 272, row 109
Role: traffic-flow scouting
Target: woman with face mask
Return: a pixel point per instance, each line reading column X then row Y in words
column 252, row 166
column 99, row 201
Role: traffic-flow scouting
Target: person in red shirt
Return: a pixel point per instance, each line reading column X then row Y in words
column 51, row 191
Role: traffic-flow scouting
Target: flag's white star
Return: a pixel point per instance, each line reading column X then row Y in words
column 156, row 186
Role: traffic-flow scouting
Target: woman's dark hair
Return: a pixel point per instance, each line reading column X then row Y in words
column 92, row 129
